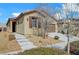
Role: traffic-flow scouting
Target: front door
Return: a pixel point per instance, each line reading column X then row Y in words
column 14, row 27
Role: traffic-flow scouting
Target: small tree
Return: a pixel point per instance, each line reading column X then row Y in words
column 45, row 22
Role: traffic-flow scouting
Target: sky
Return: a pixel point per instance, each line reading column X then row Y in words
column 8, row 10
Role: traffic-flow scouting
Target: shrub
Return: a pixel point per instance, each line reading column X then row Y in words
column 56, row 37
column 40, row 41
column 62, row 32
column 11, row 37
column 74, row 46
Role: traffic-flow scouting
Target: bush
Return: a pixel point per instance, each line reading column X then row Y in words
column 62, row 32
column 40, row 41
column 56, row 37
column 43, row 51
column 74, row 46
column 11, row 37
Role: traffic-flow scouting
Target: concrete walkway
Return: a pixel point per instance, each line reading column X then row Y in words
column 24, row 42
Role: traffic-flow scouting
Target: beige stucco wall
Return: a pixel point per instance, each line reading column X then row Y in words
column 9, row 28
column 20, row 27
column 30, row 30
column 24, row 27
column 26, row 23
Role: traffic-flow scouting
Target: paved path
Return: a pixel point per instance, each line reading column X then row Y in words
column 24, row 42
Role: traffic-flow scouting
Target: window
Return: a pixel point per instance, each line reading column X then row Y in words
column 34, row 23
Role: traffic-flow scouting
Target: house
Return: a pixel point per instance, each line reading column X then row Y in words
column 61, row 23
column 71, row 23
column 3, row 28
column 11, row 24
column 35, row 22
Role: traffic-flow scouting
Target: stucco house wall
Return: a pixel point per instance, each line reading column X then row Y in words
column 20, row 25
column 29, row 30
column 9, row 26
column 23, row 27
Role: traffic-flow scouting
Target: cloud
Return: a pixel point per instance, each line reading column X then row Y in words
column 15, row 14
column 74, row 7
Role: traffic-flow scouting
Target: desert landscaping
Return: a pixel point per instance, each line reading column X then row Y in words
column 41, row 30
column 42, row 42
column 8, row 43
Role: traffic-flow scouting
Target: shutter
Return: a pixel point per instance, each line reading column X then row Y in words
column 30, row 22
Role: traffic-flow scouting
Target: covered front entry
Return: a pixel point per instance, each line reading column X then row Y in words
column 14, row 27
column 0, row 29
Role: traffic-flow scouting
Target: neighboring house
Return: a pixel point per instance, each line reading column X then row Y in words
column 11, row 24
column 61, row 24
column 73, row 23
column 3, row 28
column 34, row 22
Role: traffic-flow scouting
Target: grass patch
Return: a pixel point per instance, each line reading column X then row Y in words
column 43, row 51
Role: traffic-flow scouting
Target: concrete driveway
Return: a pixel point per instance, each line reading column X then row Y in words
column 62, row 37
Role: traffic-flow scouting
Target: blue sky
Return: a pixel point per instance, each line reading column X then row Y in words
column 8, row 9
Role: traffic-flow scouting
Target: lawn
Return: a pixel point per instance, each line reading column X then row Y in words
column 44, row 51
column 8, row 43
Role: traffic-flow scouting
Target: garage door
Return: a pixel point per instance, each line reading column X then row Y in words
column 51, row 28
